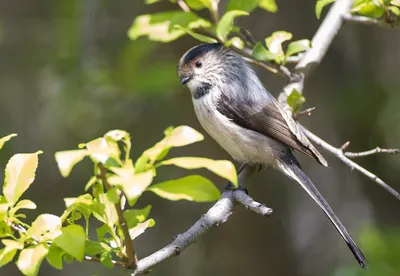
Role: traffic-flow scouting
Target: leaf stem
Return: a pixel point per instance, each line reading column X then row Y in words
column 129, row 248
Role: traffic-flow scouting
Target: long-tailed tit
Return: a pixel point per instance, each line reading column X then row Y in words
column 236, row 110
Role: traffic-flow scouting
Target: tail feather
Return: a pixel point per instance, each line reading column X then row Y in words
column 292, row 168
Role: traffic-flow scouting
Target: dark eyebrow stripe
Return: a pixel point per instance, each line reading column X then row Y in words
column 200, row 51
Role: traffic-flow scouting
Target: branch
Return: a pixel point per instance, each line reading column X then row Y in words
column 371, row 152
column 320, row 44
column 129, row 249
column 370, row 21
column 338, row 152
column 216, row 215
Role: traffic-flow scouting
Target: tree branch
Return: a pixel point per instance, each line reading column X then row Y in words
column 370, row 21
column 129, row 248
column 216, row 215
column 338, row 152
column 371, row 152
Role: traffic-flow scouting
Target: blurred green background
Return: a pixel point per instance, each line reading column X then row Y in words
column 69, row 73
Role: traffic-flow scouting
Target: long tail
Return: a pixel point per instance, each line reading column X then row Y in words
column 292, row 168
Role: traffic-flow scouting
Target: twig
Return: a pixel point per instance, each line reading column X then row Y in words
column 97, row 260
column 304, row 112
column 371, row 152
column 338, row 152
column 183, row 5
column 370, row 21
column 214, row 11
column 129, row 248
column 216, row 215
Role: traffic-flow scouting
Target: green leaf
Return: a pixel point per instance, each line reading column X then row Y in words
column 30, row 259
column 5, row 229
column 5, row 139
column 93, row 247
column 8, row 252
column 199, row 4
column 195, row 35
column 223, row 168
column 160, row 26
column 297, row 47
column 19, row 175
column 66, row 160
column 268, row 5
column 295, row 100
column 140, row 228
column 55, row 256
column 236, row 41
column 260, row 53
column 106, row 259
column 42, row 224
column 113, row 195
column 102, row 231
column 148, row 2
column 320, row 5
column 72, row 240
column 274, row 44
column 3, row 210
column 133, row 217
column 225, row 25
column 242, row 5
column 192, row 188
column 133, row 185
column 369, row 9
column 177, row 137
column 110, row 216
column 395, row 10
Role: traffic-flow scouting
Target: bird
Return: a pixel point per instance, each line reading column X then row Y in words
column 238, row 112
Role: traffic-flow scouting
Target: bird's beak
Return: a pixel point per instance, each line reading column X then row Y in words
column 185, row 79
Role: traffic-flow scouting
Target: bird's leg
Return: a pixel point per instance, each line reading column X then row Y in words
column 245, row 172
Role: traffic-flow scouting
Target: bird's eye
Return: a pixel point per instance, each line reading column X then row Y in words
column 198, row 64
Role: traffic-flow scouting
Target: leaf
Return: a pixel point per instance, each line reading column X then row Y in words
column 72, row 240
column 320, row 5
column 260, row 53
column 225, row 25
column 223, row 168
column 274, row 43
column 30, row 259
column 369, row 9
column 5, row 139
column 66, row 160
column 295, row 100
column 19, row 175
column 177, row 137
column 3, row 210
column 236, row 41
column 140, row 228
column 268, row 5
column 395, row 3
column 242, row 5
column 42, row 224
column 297, row 47
column 118, row 135
column 395, row 10
column 113, row 195
column 7, row 253
column 55, row 256
column 192, row 188
column 110, row 216
column 23, row 204
column 106, row 259
column 199, row 4
column 132, row 185
column 93, row 247
column 160, row 26
column 5, row 229
column 101, row 151
column 197, row 36
column 133, row 217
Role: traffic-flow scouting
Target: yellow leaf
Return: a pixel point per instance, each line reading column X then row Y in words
column 100, row 150
column 223, row 168
column 19, row 175
column 140, row 228
column 44, row 223
column 6, row 139
column 30, row 259
column 66, row 160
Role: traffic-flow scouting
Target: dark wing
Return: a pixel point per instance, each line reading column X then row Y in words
column 270, row 120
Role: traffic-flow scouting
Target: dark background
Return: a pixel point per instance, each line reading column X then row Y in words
column 69, row 73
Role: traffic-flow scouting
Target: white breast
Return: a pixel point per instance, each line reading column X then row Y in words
column 242, row 144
